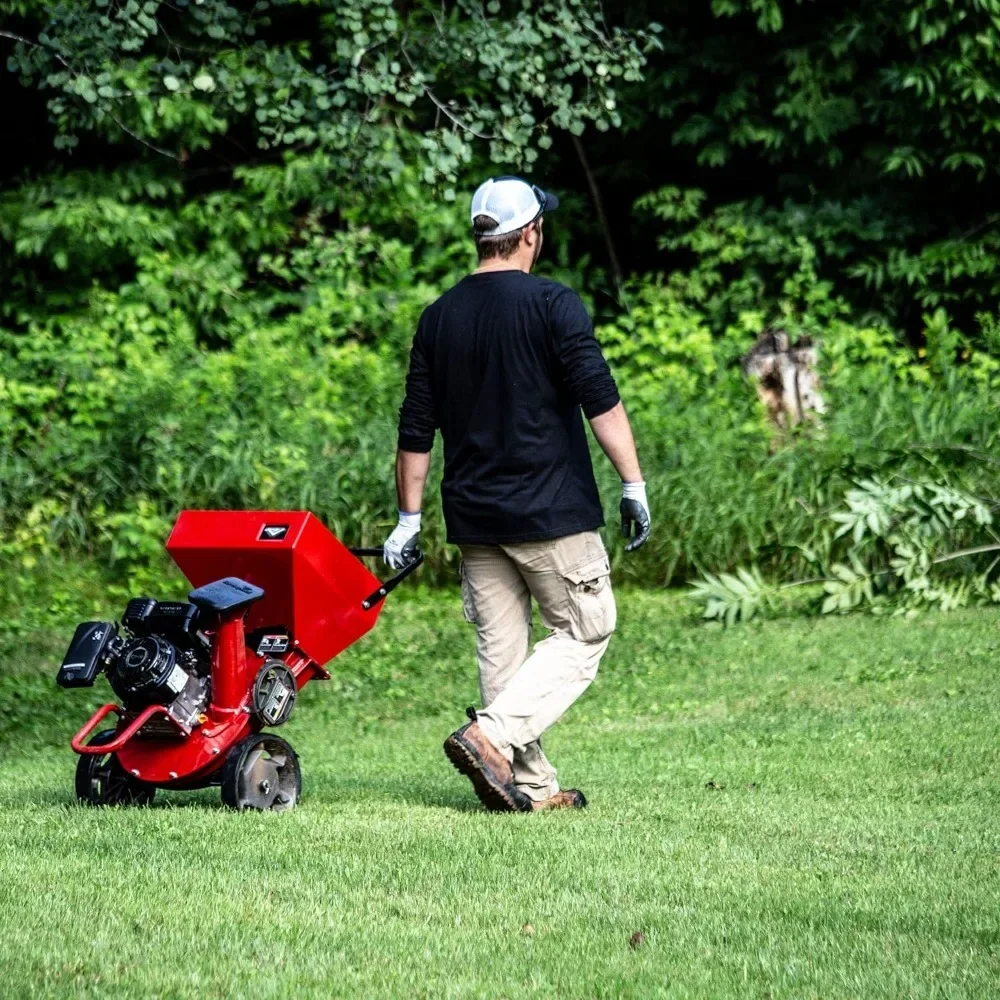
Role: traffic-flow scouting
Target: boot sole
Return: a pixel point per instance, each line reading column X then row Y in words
column 580, row 802
column 493, row 794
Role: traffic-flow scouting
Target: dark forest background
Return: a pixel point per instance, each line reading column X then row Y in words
column 220, row 223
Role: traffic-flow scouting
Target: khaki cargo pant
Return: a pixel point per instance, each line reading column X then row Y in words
column 525, row 694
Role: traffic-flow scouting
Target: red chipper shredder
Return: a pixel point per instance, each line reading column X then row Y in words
column 276, row 596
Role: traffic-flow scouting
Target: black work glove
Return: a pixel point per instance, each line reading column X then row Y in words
column 634, row 509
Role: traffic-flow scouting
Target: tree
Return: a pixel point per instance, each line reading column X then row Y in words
column 365, row 84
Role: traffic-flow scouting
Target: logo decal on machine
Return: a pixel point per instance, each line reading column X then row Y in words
column 270, row 644
column 273, row 532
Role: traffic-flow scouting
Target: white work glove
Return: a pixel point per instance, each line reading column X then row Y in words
column 401, row 546
column 634, row 509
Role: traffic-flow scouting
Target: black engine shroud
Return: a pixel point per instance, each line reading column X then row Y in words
column 147, row 672
column 161, row 660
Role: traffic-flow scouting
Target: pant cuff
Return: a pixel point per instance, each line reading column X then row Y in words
column 489, row 730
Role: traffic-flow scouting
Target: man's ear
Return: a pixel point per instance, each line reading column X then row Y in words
column 531, row 234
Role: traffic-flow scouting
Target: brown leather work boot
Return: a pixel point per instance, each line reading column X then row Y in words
column 481, row 762
column 569, row 798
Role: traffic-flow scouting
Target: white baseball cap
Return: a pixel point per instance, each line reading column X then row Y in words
column 511, row 203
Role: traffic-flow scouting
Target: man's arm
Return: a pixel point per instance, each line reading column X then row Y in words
column 593, row 387
column 614, row 434
column 411, row 475
column 413, row 457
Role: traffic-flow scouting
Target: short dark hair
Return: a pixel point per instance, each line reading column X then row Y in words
column 488, row 247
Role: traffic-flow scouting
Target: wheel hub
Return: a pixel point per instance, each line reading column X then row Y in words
column 262, row 773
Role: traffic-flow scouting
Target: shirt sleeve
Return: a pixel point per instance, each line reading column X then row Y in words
column 416, row 415
column 579, row 356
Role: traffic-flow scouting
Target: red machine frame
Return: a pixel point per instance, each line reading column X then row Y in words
column 314, row 587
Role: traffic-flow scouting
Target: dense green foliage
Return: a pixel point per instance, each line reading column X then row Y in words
column 218, row 249
column 796, row 809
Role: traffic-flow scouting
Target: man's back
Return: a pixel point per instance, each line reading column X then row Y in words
column 502, row 363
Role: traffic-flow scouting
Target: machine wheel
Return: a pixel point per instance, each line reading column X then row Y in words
column 102, row 781
column 261, row 772
column 273, row 694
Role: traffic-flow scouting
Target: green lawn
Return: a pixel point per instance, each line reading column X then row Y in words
column 792, row 809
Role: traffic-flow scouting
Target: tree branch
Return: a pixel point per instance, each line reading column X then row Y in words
column 965, row 552
column 145, row 142
column 34, row 45
column 458, row 121
column 805, row 583
column 116, row 120
column 442, row 108
column 595, row 193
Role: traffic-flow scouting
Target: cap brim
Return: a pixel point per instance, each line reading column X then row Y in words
column 550, row 202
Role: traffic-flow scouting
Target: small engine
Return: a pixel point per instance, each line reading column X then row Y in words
column 162, row 659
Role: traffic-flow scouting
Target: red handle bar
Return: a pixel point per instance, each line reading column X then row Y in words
column 77, row 743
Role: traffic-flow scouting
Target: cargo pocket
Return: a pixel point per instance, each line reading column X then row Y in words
column 468, row 607
column 592, row 613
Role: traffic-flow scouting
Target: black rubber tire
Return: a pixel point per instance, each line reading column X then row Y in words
column 261, row 772
column 101, row 780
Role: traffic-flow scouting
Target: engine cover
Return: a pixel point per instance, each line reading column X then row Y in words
column 147, row 672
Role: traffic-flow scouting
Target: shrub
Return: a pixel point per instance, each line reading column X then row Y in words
column 258, row 361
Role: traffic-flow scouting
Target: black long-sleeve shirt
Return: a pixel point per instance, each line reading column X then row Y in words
column 502, row 364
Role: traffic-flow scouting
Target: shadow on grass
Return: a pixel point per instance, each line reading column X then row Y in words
column 349, row 794
column 429, row 792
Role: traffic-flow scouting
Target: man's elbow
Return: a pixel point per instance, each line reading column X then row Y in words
column 602, row 406
column 415, row 442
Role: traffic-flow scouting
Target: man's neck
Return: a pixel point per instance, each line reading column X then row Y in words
column 499, row 264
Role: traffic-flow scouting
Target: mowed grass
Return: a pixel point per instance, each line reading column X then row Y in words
column 797, row 808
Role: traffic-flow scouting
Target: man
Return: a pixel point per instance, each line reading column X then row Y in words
column 502, row 364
